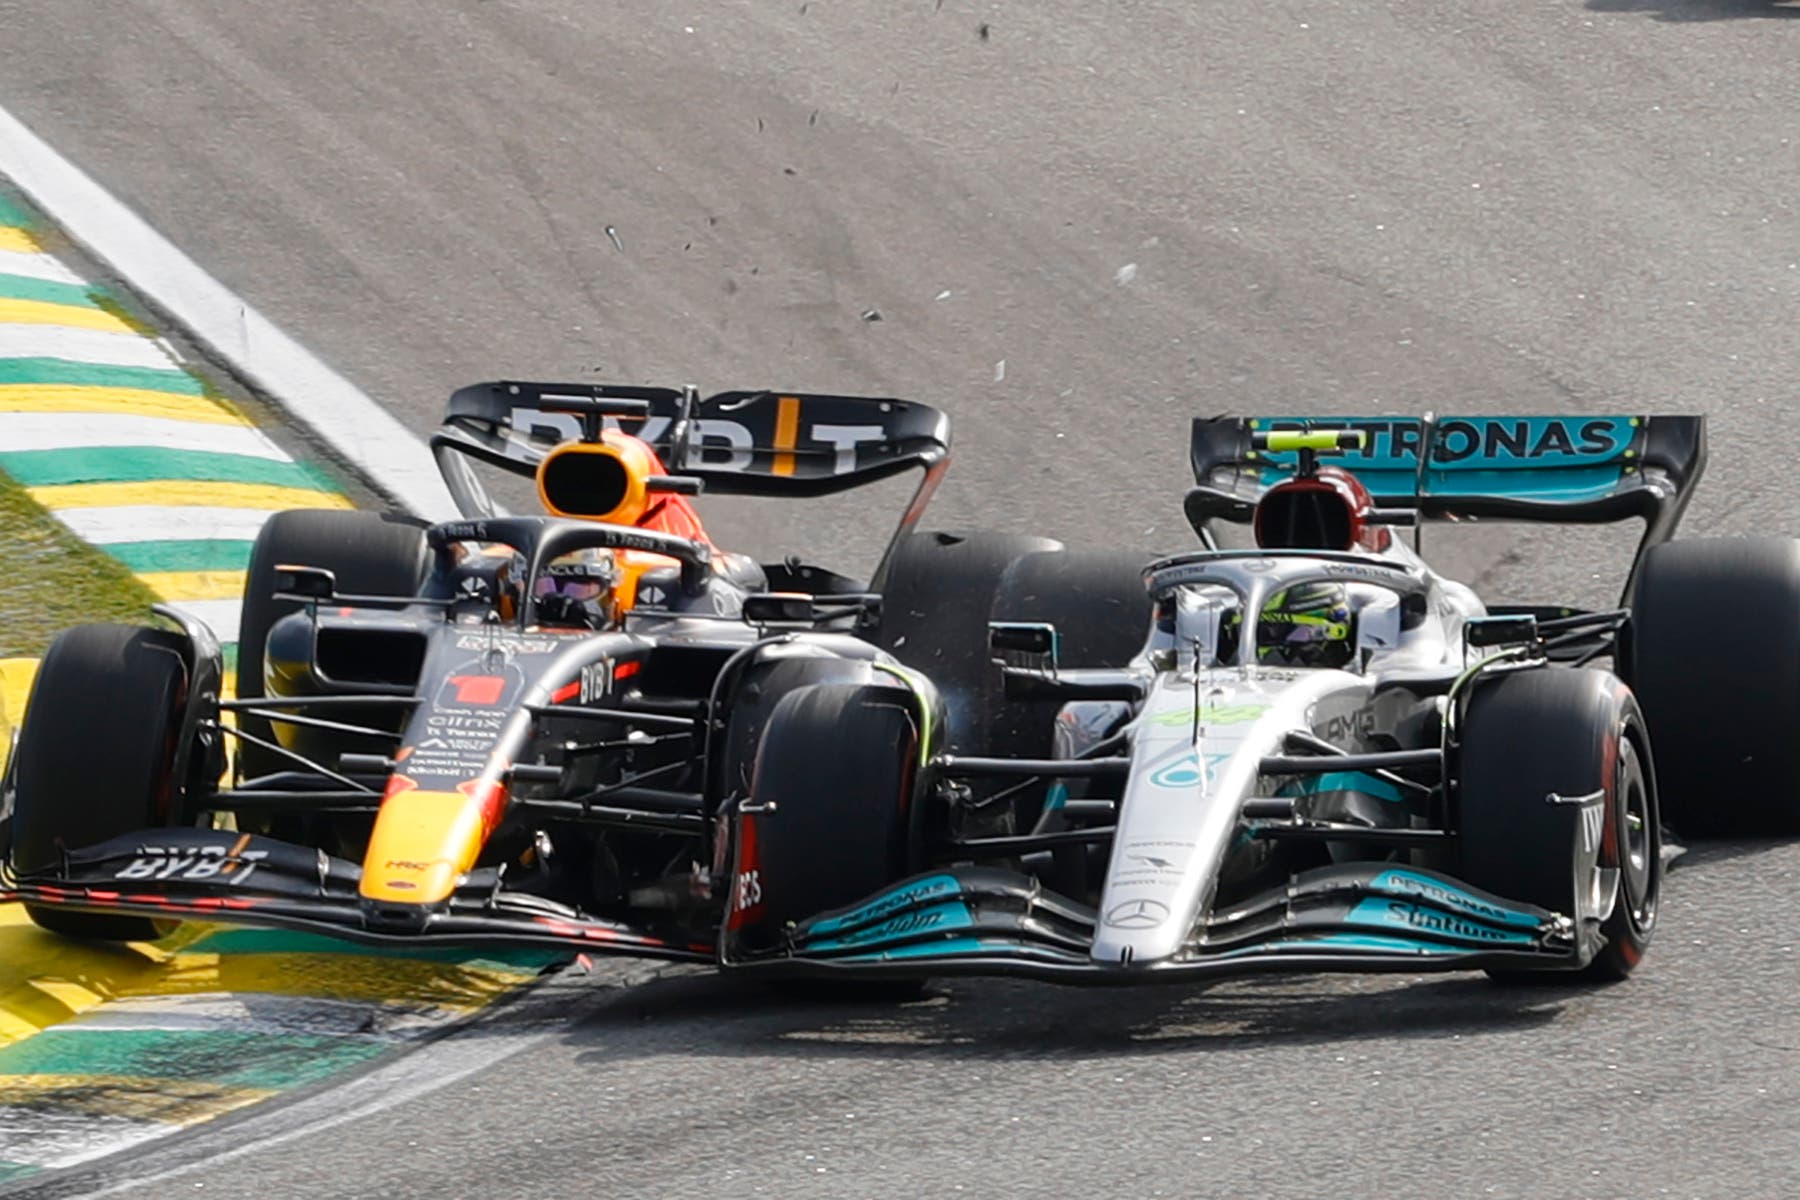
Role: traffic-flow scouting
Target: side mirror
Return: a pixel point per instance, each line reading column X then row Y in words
column 1034, row 638
column 304, row 583
column 1501, row 631
column 779, row 608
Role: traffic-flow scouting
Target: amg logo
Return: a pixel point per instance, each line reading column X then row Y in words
column 1359, row 726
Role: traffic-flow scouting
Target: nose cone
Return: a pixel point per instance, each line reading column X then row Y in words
column 422, row 844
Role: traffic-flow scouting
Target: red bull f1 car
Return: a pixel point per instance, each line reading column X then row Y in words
column 594, row 729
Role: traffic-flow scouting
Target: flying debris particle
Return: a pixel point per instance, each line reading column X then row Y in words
column 712, row 220
column 871, row 314
column 814, row 119
column 1125, row 274
column 1000, row 371
column 686, row 246
column 944, row 295
column 759, row 125
column 789, row 171
column 982, row 31
column 614, row 235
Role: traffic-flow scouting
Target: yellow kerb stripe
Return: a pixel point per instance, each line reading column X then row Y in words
column 787, row 433
column 74, row 316
column 18, row 241
column 184, row 492
column 172, row 1101
column 194, row 585
column 131, row 402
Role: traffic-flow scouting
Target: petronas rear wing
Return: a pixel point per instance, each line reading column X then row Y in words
column 1556, row 469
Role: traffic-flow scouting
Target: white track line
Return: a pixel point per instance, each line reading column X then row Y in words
column 158, row 522
column 35, row 266
column 221, row 616
column 388, row 454
column 82, row 345
column 69, row 431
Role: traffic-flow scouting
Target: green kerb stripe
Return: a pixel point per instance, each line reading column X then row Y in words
column 11, row 214
column 227, row 1058
column 60, row 372
column 196, row 555
column 144, row 464
column 280, row 941
column 24, row 287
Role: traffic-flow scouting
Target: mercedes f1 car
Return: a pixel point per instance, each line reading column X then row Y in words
column 593, row 729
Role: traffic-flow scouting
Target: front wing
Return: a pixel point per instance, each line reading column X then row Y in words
column 1364, row 917
column 210, row 875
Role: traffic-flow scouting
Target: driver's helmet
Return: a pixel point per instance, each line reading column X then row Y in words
column 578, row 591
column 1306, row 625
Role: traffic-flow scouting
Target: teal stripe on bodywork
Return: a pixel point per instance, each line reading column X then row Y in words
column 14, row 216
column 11, row 1171
column 1343, row 781
column 246, row 1060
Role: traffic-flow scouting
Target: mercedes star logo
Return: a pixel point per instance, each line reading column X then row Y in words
column 1137, row 914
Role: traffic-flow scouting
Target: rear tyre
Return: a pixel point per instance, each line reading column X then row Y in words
column 1096, row 600
column 372, row 554
column 1525, row 736
column 1721, row 709
column 122, row 687
column 935, row 599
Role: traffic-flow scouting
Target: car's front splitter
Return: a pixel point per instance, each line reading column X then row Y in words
column 242, row 879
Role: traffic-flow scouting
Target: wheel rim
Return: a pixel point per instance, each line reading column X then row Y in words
column 1638, row 837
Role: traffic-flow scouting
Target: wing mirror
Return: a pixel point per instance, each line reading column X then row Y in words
column 1501, row 631
column 1029, row 644
column 312, row 584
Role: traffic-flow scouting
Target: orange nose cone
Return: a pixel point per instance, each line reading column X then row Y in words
column 422, row 843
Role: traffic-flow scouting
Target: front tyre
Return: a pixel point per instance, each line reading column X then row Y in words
column 1557, row 807
column 120, row 688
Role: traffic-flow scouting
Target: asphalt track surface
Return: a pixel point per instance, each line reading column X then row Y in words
column 1547, row 205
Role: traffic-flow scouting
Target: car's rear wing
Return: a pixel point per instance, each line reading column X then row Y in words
column 740, row 443
column 1560, row 469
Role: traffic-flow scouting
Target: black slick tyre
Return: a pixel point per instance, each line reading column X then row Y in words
column 1096, row 600
column 1721, row 711
column 374, row 554
column 837, row 762
column 120, row 686
column 936, row 595
column 1576, row 735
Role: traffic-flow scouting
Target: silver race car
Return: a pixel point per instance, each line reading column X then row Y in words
column 1313, row 754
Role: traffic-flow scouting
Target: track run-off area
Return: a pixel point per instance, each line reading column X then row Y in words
column 1079, row 226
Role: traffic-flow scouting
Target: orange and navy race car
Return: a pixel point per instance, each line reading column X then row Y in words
column 518, row 728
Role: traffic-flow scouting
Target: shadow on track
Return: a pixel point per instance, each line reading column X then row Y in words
column 1005, row 1019
column 1699, row 10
